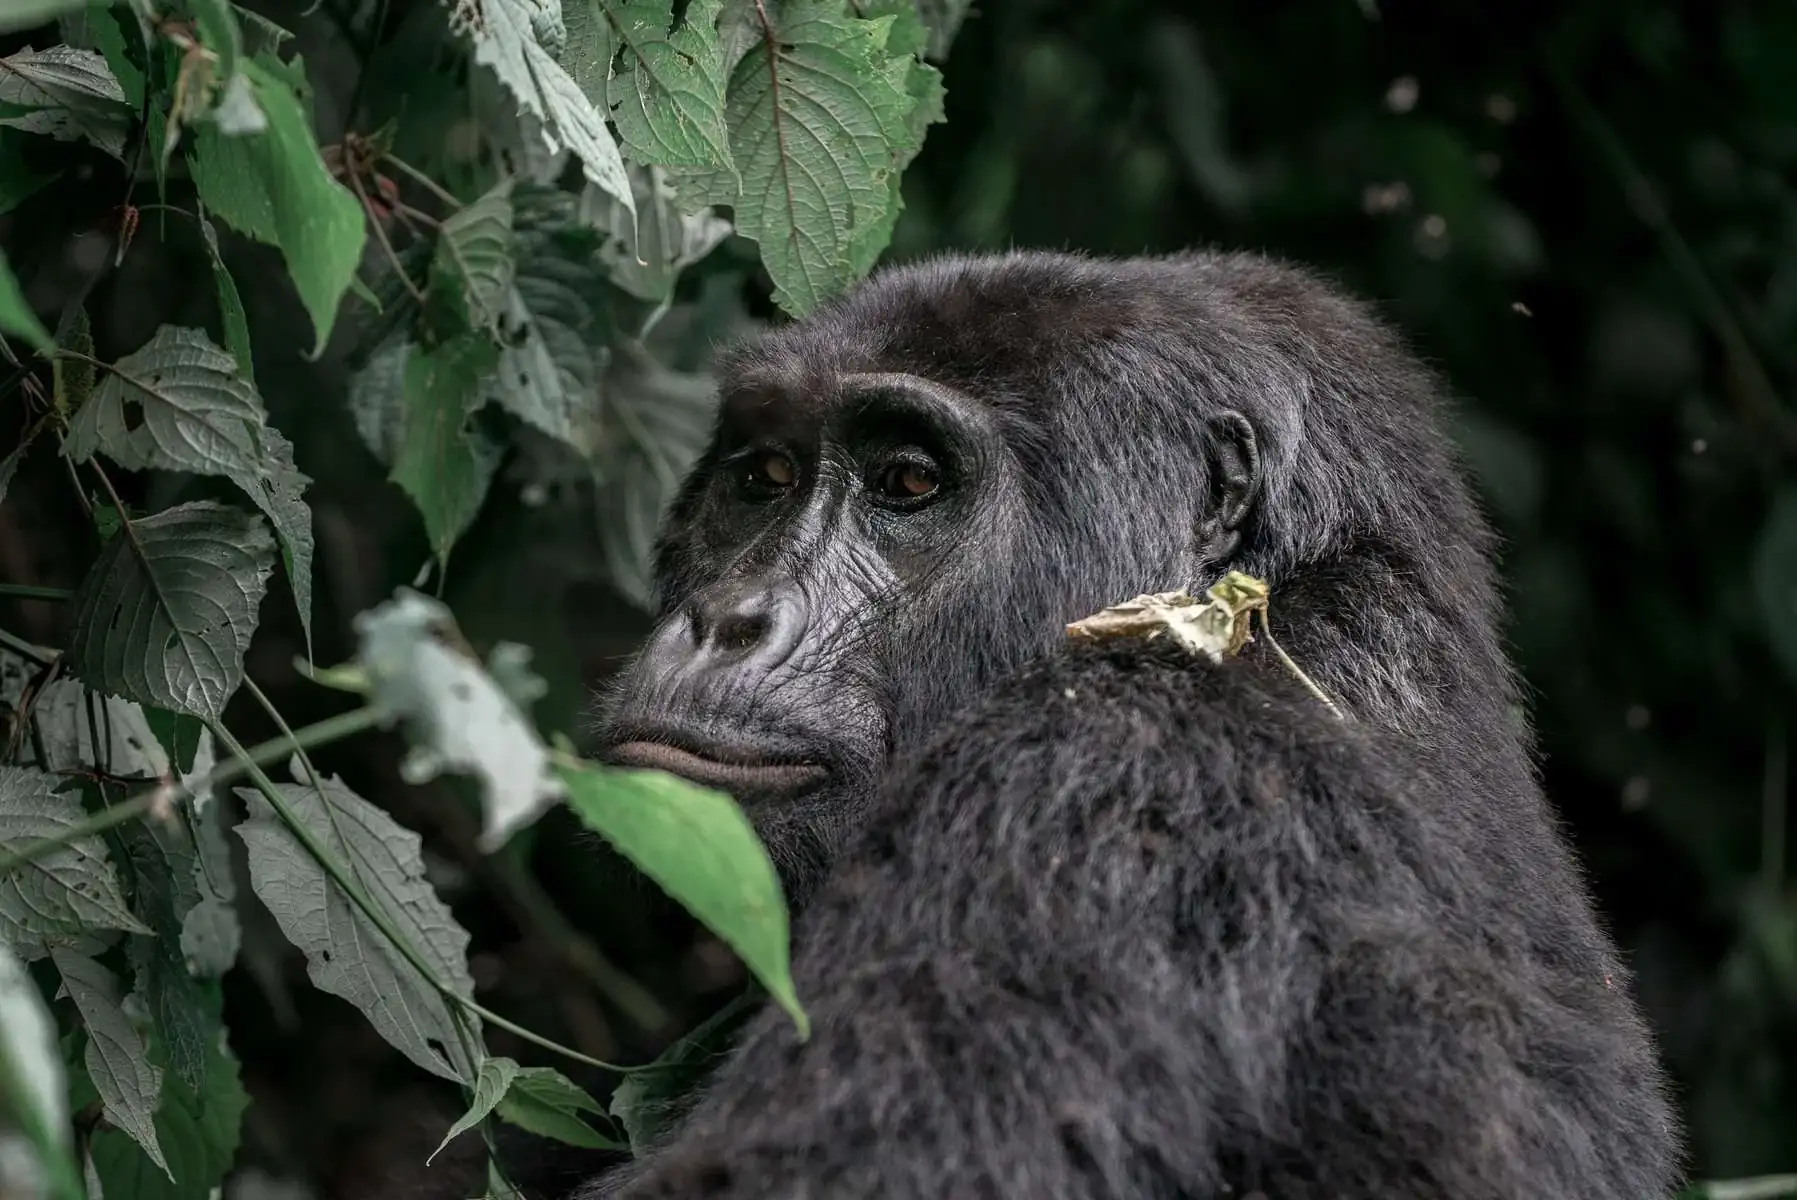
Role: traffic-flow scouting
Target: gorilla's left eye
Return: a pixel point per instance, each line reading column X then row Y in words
column 908, row 480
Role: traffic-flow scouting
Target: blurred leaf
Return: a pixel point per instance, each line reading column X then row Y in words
column 19, row 181
column 455, row 715
column 648, row 1101
column 377, row 398
column 698, row 845
column 32, row 1092
column 273, row 186
column 505, row 37
column 23, row 14
column 218, row 33
column 444, row 465
column 196, row 413
column 646, row 256
column 1775, row 577
column 69, row 95
column 548, row 1104
column 16, row 316
column 117, row 1061
column 65, row 891
column 346, row 954
column 660, row 80
column 166, row 613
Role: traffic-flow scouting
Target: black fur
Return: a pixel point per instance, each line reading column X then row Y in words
column 1111, row 921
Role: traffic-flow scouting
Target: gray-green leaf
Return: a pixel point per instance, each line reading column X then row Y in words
column 70, row 95
column 66, row 891
column 346, row 954
column 117, row 1061
column 167, row 610
column 473, row 259
column 549, row 1104
column 127, row 747
column 496, row 1075
column 667, row 238
column 455, row 716
column 444, row 464
column 697, row 844
column 195, row 412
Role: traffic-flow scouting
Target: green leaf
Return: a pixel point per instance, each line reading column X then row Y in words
column 198, row 1129
column 1775, row 577
column 32, row 1092
column 473, row 258
column 196, row 413
column 24, row 14
column 166, row 613
column 66, row 94
column 659, row 421
column 230, row 310
column 70, row 889
column 16, row 316
column 456, row 717
column 218, row 32
column 701, row 849
column 346, row 954
column 819, row 154
column 505, row 37
column 666, row 240
column 117, row 1061
column 661, row 81
column 273, row 186
column 647, row 1101
column 444, row 465
column 496, row 1075
column 377, row 398
column 548, row 1104
column 166, row 893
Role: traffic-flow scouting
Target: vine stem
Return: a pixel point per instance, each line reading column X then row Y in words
column 150, row 799
column 27, row 591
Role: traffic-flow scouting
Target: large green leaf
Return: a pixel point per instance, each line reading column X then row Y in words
column 697, row 844
column 16, row 316
column 67, row 891
column 347, row 955
column 274, row 187
column 67, row 94
column 443, row 464
column 168, row 609
column 823, row 116
column 130, row 1086
column 179, row 404
column 662, row 81
column 456, row 716
column 33, row 1096
column 506, row 35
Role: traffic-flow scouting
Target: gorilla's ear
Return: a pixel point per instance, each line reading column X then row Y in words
column 1233, row 459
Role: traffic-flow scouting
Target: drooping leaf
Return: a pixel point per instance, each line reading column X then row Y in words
column 198, row 1129
column 163, row 861
column 473, row 258
column 346, row 954
column 230, row 306
column 178, row 403
column 506, row 35
column 166, row 613
column 67, row 94
column 444, row 465
column 33, row 1096
column 818, row 152
column 657, row 423
column 666, row 241
column 117, row 1061
column 210, row 932
column 496, row 1075
column 697, row 844
column 273, row 186
column 377, row 398
column 16, row 317
column 648, row 1101
column 662, row 81
column 456, row 717
column 549, row 1104
column 66, row 891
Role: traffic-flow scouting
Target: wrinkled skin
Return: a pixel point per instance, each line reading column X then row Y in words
column 1109, row 921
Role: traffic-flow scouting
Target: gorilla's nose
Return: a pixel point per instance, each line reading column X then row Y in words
column 747, row 622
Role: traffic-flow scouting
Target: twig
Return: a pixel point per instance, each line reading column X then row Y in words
column 421, row 179
column 28, row 591
column 43, row 656
column 1310, row 685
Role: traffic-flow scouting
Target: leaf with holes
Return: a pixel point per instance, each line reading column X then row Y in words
column 117, row 1061
column 444, row 465
column 697, row 844
column 473, row 259
column 456, row 717
column 178, row 403
column 824, row 112
column 347, row 955
column 660, row 79
column 168, row 609
column 32, row 1092
column 506, row 35
column 66, row 891
column 67, row 94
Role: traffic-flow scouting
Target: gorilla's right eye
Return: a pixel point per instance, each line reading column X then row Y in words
column 766, row 474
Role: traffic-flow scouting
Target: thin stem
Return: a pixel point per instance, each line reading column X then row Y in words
column 27, row 591
column 43, row 656
column 1310, row 685
column 423, row 180
column 380, row 234
column 149, row 799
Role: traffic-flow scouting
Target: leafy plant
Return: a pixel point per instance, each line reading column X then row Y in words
column 499, row 304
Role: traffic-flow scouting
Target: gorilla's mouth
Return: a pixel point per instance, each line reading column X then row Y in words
column 741, row 771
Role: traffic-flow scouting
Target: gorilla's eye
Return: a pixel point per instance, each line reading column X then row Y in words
column 768, row 473
column 908, row 480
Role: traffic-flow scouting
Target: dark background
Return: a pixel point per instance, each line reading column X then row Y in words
column 1583, row 212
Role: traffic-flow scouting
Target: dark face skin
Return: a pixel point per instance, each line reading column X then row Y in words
column 860, row 552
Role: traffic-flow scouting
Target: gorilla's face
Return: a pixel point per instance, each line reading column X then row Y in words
column 875, row 535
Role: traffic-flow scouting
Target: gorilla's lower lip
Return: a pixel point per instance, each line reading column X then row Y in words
column 744, row 775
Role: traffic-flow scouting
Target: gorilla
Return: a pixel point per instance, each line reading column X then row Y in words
column 1105, row 919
